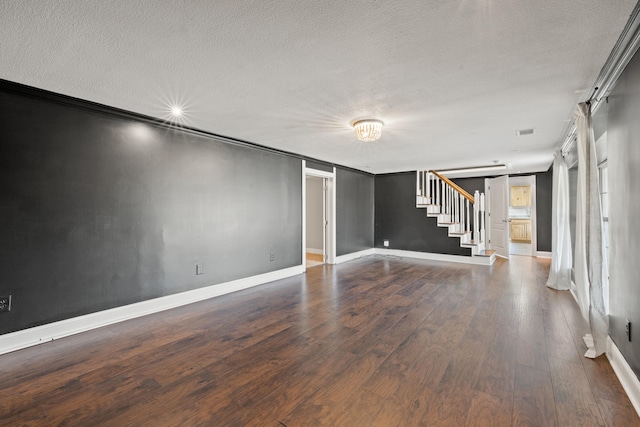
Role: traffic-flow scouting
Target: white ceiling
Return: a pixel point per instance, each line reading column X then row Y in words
column 452, row 79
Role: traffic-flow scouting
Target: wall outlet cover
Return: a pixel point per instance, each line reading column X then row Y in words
column 5, row 303
column 627, row 329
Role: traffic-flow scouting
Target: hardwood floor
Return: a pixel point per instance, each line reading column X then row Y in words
column 314, row 260
column 380, row 341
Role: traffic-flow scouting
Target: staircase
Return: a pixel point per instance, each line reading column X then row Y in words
column 454, row 208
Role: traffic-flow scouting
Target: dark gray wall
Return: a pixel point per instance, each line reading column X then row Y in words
column 407, row 227
column 624, row 211
column 544, row 191
column 101, row 209
column 354, row 211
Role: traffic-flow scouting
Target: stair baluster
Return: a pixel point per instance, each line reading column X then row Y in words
column 428, row 187
column 468, row 227
column 482, row 229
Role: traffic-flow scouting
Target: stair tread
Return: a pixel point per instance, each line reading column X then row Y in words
column 486, row 253
column 448, row 223
column 471, row 243
column 459, row 233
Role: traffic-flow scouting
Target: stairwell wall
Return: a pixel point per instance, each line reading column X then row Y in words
column 406, row 227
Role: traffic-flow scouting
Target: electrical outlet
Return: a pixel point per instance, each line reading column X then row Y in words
column 385, row 243
column 272, row 257
column 5, row 303
column 627, row 329
column 199, row 269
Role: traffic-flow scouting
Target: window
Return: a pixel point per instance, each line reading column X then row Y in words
column 604, row 203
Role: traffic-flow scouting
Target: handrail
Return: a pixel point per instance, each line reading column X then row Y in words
column 455, row 186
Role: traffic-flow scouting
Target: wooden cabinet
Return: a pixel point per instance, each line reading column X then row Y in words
column 520, row 195
column 520, row 230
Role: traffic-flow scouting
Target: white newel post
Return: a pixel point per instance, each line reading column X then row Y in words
column 476, row 207
column 482, row 229
column 417, row 188
column 461, row 210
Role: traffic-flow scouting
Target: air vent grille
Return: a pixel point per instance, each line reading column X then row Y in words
column 524, row 132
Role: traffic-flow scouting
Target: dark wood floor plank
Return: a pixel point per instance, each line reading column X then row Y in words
column 575, row 402
column 618, row 413
column 488, row 411
column 533, row 399
column 380, row 341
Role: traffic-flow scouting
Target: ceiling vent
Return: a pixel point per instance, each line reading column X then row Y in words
column 524, row 132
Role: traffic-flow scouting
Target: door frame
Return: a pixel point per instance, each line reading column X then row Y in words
column 329, row 213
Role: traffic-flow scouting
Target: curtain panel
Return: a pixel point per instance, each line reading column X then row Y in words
column 561, row 260
column 590, row 265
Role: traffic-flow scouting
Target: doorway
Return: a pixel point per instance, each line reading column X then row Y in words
column 318, row 216
column 512, row 215
column 316, row 224
column 522, row 215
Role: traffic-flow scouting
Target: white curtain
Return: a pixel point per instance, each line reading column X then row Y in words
column 590, row 265
column 560, row 271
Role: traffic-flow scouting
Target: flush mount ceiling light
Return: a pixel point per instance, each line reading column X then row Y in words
column 368, row 130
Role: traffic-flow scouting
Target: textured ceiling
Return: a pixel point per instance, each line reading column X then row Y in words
column 452, row 79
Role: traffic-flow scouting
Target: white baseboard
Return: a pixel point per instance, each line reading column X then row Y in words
column 436, row 257
column 315, row 251
column 625, row 374
column 543, row 254
column 354, row 255
column 52, row 331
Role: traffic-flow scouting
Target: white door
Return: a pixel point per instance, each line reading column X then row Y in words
column 498, row 215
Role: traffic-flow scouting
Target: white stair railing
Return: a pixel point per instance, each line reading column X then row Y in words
column 453, row 207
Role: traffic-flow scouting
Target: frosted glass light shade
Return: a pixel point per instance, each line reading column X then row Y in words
column 368, row 130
